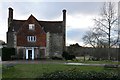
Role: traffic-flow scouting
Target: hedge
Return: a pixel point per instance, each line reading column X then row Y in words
column 7, row 53
column 67, row 56
column 79, row 75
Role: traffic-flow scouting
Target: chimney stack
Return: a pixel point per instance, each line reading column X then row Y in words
column 10, row 17
column 64, row 30
column 64, row 16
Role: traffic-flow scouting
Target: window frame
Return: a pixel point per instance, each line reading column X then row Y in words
column 31, row 26
column 31, row 38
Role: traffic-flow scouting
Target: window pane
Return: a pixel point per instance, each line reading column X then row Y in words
column 31, row 38
column 31, row 26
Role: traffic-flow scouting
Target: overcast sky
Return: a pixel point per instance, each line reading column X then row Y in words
column 80, row 16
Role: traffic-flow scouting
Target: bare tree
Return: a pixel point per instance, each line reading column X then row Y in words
column 107, row 24
column 90, row 38
column 105, row 32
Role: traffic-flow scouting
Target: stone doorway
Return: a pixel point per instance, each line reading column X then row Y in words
column 29, row 54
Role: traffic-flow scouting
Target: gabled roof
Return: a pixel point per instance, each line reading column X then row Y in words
column 51, row 26
column 16, row 24
column 48, row 26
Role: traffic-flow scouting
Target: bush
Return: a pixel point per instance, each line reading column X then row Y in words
column 75, row 75
column 67, row 56
column 7, row 53
column 56, row 58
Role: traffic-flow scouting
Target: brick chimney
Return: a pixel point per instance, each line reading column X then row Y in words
column 64, row 30
column 64, row 16
column 10, row 17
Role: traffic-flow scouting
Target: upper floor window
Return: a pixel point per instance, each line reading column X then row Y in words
column 31, row 38
column 31, row 26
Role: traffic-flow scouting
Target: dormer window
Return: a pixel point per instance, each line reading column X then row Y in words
column 31, row 26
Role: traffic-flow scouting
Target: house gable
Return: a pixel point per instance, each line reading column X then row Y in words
column 24, row 32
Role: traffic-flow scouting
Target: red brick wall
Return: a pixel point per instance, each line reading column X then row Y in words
column 24, row 32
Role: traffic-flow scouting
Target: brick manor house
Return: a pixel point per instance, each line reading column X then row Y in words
column 35, row 39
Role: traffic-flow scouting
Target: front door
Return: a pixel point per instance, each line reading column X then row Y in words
column 29, row 54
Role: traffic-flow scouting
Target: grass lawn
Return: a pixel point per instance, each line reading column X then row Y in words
column 95, row 62
column 35, row 70
column 101, row 62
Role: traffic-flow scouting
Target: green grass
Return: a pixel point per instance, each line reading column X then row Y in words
column 94, row 62
column 101, row 62
column 35, row 70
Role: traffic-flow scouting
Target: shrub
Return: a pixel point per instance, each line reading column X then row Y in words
column 56, row 58
column 92, row 75
column 7, row 53
column 67, row 56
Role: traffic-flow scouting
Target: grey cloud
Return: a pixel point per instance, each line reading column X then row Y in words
column 76, row 34
column 51, row 10
column 54, row 9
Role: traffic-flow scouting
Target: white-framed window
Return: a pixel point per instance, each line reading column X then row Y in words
column 31, row 26
column 31, row 38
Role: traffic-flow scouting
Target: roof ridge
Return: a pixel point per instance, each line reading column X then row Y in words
column 49, row 21
column 18, row 20
column 37, row 20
